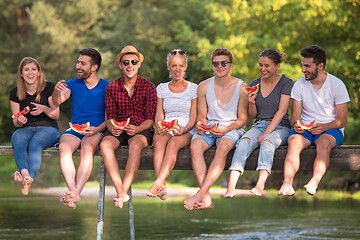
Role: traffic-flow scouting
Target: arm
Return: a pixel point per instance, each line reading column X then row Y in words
column 296, row 108
column 340, row 121
column 242, row 114
column 52, row 111
column 283, row 106
column 159, row 115
column 15, row 108
column 201, row 106
column 61, row 93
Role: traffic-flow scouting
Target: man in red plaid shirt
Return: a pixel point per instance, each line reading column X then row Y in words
column 134, row 97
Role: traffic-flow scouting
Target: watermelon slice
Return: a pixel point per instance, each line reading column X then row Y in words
column 168, row 126
column 306, row 126
column 120, row 124
column 23, row 112
column 253, row 90
column 208, row 128
column 79, row 128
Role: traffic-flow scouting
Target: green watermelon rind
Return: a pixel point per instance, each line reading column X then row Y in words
column 207, row 129
column 248, row 89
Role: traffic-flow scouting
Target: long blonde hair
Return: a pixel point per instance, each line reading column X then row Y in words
column 21, row 87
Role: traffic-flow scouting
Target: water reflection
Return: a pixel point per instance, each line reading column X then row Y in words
column 239, row 218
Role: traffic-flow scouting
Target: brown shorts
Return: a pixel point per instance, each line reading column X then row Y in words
column 124, row 138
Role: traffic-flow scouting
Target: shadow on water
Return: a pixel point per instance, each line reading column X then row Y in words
column 37, row 217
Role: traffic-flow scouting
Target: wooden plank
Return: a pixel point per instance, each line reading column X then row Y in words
column 346, row 157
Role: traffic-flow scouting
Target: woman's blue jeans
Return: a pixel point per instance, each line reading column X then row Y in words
column 28, row 143
column 248, row 143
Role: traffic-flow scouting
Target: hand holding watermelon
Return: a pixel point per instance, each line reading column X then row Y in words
column 80, row 128
column 167, row 126
column 252, row 90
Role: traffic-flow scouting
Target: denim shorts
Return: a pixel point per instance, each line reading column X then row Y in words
column 336, row 133
column 79, row 136
column 234, row 135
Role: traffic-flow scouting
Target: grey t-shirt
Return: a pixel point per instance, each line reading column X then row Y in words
column 268, row 106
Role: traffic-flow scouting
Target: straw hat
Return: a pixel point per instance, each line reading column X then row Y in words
column 129, row 49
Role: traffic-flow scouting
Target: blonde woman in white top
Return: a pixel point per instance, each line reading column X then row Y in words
column 176, row 99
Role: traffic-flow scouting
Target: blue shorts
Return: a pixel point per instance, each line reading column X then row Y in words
column 234, row 135
column 336, row 133
column 79, row 136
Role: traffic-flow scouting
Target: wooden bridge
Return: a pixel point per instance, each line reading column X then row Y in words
column 344, row 158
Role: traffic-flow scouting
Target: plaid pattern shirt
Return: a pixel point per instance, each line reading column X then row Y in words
column 139, row 107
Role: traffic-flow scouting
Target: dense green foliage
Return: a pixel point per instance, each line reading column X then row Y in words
column 54, row 31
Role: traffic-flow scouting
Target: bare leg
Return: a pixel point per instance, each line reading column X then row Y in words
column 160, row 143
column 172, row 148
column 259, row 188
column 296, row 144
column 234, row 176
column 68, row 144
column 108, row 146
column 136, row 144
column 323, row 147
column 202, row 198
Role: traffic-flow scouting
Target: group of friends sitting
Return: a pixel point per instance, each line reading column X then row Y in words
column 212, row 113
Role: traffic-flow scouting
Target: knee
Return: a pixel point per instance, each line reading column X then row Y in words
column 87, row 148
column 136, row 147
column 195, row 147
column 172, row 145
column 323, row 146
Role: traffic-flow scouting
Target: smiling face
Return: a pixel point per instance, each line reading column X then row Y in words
column 84, row 68
column 267, row 67
column 221, row 71
column 310, row 69
column 177, row 67
column 30, row 73
column 130, row 71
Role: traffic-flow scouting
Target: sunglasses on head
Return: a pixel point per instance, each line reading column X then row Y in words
column 181, row 52
column 127, row 62
column 223, row 63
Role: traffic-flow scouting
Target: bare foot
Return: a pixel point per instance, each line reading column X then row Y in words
column 229, row 194
column 71, row 205
column 310, row 188
column 25, row 188
column 286, row 190
column 206, row 203
column 18, row 177
column 154, row 190
column 119, row 200
column 257, row 190
column 27, row 180
column 72, row 196
column 189, row 203
column 162, row 194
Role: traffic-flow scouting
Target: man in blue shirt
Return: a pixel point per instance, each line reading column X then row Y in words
column 87, row 93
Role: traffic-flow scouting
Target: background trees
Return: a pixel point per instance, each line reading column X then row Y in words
column 54, row 31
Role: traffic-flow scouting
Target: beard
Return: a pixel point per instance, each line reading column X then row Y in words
column 85, row 75
column 312, row 75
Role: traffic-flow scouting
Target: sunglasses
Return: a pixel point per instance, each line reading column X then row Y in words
column 127, row 62
column 181, row 52
column 223, row 63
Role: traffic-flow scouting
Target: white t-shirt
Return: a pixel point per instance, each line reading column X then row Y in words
column 177, row 105
column 320, row 103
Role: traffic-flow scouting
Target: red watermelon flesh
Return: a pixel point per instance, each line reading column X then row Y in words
column 307, row 126
column 23, row 112
column 79, row 128
column 121, row 124
column 208, row 128
column 168, row 126
column 252, row 90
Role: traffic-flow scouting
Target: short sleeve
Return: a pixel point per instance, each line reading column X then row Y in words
column 159, row 90
column 341, row 93
column 286, row 86
column 13, row 96
column 255, row 82
column 296, row 90
column 71, row 84
column 49, row 89
column 194, row 87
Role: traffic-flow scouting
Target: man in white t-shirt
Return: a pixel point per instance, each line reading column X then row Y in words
column 319, row 96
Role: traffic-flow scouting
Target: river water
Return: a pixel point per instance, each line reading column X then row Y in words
column 39, row 217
